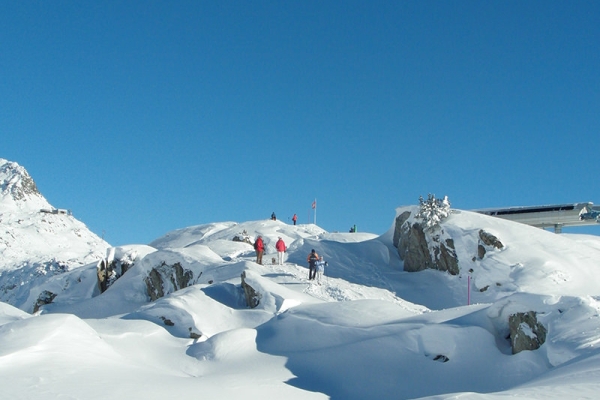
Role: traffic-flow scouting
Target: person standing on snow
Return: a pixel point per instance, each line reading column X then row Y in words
column 259, row 246
column 312, row 259
column 280, row 246
column 295, row 218
column 320, row 268
column 273, row 217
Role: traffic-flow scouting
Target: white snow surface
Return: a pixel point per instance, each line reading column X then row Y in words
column 368, row 331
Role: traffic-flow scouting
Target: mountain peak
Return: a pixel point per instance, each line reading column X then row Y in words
column 35, row 237
column 17, row 186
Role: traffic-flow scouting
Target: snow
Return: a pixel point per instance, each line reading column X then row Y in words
column 369, row 330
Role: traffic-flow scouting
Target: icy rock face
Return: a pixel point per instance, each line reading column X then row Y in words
column 526, row 332
column 423, row 249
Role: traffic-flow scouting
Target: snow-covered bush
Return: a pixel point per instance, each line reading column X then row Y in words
column 432, row 211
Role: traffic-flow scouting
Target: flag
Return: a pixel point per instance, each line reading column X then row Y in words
column 314, row 204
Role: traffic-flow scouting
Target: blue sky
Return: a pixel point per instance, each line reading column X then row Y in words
column 146, row 116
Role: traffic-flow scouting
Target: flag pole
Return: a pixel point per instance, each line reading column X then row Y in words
column 315, row 203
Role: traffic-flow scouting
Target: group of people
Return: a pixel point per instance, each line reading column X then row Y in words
column 274, row 217
column 259, row 247
column 316, row 264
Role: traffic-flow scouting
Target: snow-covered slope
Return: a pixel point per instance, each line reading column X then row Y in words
column 532, row 260
column 368, row 330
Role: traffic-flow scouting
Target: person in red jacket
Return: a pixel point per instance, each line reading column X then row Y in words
column 280, row 246
column 259, row 246
column 295, row 218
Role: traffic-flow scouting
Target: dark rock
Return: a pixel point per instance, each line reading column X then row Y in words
column 400, row 220
column 154, row 285
column 251, row 295
column 243, row 237
column 194, row 335
column 480, row 251
column 46, row 297
column 109, row 272
column 413, row 248
column 526, row 332
column 490, row 240
column 166, row 279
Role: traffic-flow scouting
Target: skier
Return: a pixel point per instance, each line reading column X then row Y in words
column 259, row 246
column 273, row 217
column 281, row 248
column 312, row 259
column 320, row 267
column 295, row 218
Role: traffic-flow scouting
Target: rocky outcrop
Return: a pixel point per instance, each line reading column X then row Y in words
column 422, row 250
column 110, row 269
column 243, row 237
column 46, row 297
column 526, row 332
column 108, row 274
column 400, row 221
column 169, row 322
column 166, row 279
column 252, row 296
column 16, row 182
column 104, row 274
column 487, row 241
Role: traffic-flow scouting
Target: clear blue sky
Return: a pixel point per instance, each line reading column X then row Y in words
column 147, row 116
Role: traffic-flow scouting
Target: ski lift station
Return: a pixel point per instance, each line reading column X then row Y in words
column 550, row 216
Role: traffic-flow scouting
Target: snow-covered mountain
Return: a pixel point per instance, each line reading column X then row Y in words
column 37, row 240
column 368, row 330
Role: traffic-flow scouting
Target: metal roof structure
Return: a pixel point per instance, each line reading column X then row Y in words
column 549, row 216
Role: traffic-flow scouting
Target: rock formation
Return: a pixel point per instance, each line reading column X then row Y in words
column 44, row 298
column 526, row 332
column 251, row 295
column 16, row 183
column 487, row 241
column 166, row 279
column 110, row 269
column 421, row 249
